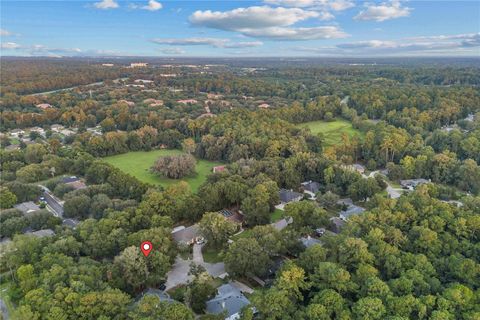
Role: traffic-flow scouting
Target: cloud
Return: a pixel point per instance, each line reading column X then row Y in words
column 10, row 46
column 106, row 4
column 384, row 11
column 335, row 5
column 151, row 6
column 213, row 42
column 5, row 33
column 267, row 22
column 173, row 51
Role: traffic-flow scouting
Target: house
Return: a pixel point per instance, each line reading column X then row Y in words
column 355, row 167
column 282, row 223
column 187, row 101
column 17, row 133
column 232, row 215
column 218, row 169
column 337, row 224
column 56, row 128
column 27, row 207
column 107, row 64
column 186, row 235
column 162, row 295
column 214, row 96
column 67, row 132
column 74, row 182
column 351, row 211
column 71, row 223
column 168, row 75
column 287, row 196
column 345, row 202
column 44, row 106
column 309, row 241
column 143, row 81
column 264, row 106
column 138, row 64
column 128, row 103
column 311, row 188
column 153, row 102
column 42, row 233
column 38, row 130
column 12, row 147
column 229, row 300
column 412, row 183
column 97, row 131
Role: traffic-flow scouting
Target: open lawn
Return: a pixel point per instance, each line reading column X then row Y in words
column 332, row 130
column 276, row 215
column 138, row 164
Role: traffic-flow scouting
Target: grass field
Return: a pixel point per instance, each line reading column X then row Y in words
column 332, row 130
column 138, row 164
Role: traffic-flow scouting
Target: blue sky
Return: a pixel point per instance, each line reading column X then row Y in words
column 240, row 28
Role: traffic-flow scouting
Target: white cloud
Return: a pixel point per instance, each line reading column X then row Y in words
column 10, row 46
column 173, row 51
column 383, row 11
column 335, row 5
column 250, row 18
column 213, row 42
column 5, row 33
column 267, row 22
column 153, row 6
column 314, row 33
column 106, row 4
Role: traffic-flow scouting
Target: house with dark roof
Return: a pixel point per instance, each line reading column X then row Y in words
column 74, row 182
column 42, row 233
column 311, row 188
column 337, row 224
column 309, row 241
column 412, row 183
column 287, row 196
column 351, row 211
column 229, row 299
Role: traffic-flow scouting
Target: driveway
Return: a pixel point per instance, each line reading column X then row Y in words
column 393, row 193
column 4, row 310
column 179, row 273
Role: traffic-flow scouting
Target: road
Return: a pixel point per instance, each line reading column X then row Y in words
column 54, row 204
column 393, row 193
column 4, row 310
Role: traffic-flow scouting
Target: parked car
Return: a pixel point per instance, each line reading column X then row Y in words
column 320, row 232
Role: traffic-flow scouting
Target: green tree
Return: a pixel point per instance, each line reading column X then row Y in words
column 7, row 198
column 216, row 228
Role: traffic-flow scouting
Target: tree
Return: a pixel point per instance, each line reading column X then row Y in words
column 77, row 206
column 188, row 146
column 174, row 167
column 34, row 153
column 246, row 257
column 306, row 215
column 216, row 228
column 199, row 290
column 7, row 198
column 328, row 199
column 363, row 189
column 151, row 308
column 256, row 206
column 132, row 266
column 369, row 309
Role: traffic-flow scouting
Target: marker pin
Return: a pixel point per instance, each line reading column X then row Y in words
column 146, row 247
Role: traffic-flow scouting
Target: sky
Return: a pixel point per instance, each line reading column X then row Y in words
column 268, row 28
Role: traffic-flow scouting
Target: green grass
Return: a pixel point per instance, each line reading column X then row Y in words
column 332, row 131
column 244, row 234
column 211, row 255
column 276, row 215
column 138, row 164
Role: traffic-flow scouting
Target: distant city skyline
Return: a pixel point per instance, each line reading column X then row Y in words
column 269, row 28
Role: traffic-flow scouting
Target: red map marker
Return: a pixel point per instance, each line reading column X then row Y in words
column 146, row 247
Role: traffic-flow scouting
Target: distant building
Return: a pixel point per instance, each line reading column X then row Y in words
column 282, row 223
column 153, row 102
column 337, row 224
column 187, row 101
column 311, row 188
column 56, row 128
column 230, row 300
column 74, row 182
column 38, row 130
column 107, row 64
column 355, row 167
column 219, row 169
column 287, row 196
column 162, row 295
column 128, row 103
column 264, row 106
column 138, row 65
column 412, row 183
column 44, row 106
column 17, row 133
column 143, row 81
column 214, row 96
column 27, row 207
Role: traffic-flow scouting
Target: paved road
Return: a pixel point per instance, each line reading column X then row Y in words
column 3, row 308
column 393, row 193
column 53, row 203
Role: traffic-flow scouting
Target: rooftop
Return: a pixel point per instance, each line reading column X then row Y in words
column 27, row 207
column 289, row 195
column 186, row 235
column 228, row 299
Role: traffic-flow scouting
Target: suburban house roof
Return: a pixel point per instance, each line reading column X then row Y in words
column 27, row 207
column 413, row 182
column 309, row 241
column 218, row 169
column 337, row 224
column 70, row 179
column 311, row 186
column 289, row 195
column 42, row 233
column 163, row 296
column 351, row 210
column 228, row 299
column 186, row 235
